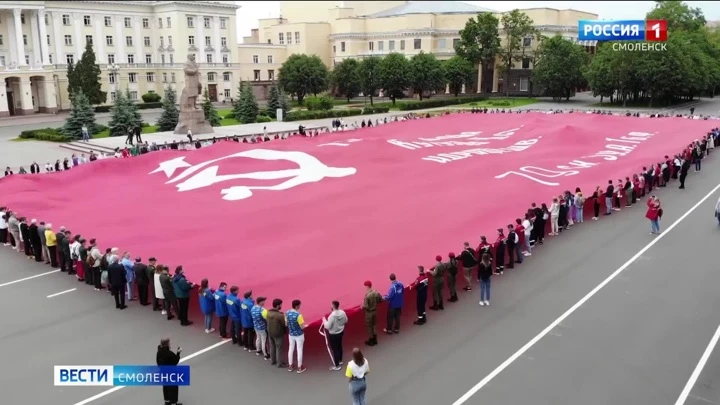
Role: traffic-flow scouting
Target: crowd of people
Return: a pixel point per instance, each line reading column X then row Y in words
column 259, row 325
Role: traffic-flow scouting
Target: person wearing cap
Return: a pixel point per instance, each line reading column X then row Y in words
column 394, row 299
column 467, row 257
column 35, row 240
column 369, row 306
column 142, row 280
column 59, row 237
column 248, row 330
column 94, row 260
column 438, row 273
column 452, row 271
column 421, row 286
column 51, row 243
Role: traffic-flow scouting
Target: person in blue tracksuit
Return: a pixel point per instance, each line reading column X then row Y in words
column 259, row 317
column 233, row 304
column 207, row 304
column 248, row 330
column 394, row 298
column 221, row 309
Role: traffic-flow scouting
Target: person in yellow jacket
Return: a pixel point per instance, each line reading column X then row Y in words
column 51, row 241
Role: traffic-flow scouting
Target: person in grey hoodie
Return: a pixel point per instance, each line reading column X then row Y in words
column 335, row 326
column 14, row 228
column 43, row 242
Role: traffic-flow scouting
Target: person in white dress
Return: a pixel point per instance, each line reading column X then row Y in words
column 159, row 296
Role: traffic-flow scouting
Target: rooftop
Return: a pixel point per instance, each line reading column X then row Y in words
column 431, row 7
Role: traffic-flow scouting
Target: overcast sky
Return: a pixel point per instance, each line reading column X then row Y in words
column 251, row 11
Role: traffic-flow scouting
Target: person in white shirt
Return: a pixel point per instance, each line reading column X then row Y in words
column 554, row 216
column 528, row 225
column 356, row 373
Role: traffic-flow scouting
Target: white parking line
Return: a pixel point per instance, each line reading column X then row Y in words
column 28, row 278
column 698, row 369
column 183, row 360
column 61, row 293
column 465, row 397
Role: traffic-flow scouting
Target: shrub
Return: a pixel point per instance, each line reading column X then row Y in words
column 147, row 106
column 103, row 108
column 230, row 116
column 499, row 103
column 375, row 110
column 321, row 103
column 419, row 105
column 151, row 98
column 314, row 115
column 100, row 128
column 45, row 134
column 263, row 118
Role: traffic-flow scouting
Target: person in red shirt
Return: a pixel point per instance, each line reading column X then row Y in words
column 521, row 248
column 421, row 286
column 499, row 248
column 654, row 213
column 484, row 247
column 125, row 153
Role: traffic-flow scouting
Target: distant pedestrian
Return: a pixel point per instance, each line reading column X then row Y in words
column 85, row 133
column 166, row 357
column 356, row 373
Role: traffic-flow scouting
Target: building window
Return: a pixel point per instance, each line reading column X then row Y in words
column 226, row 76
column 288, row 36
column 25, row 40
column 191, row 40
column 48, row 39
column 162, row 41
column 226, row 93
column 456, row 42
column 281, row 38
column 1, row 40
column 22, row 18
column 172, row 77
column 68, row 40
column 381, row 45
column 150, row 76
column 391, row 45
column 2, row 60
column 172, row 58
column 271, row 75
column 524, row 84
column 50, row 59
column 442, row 43
column 417, row 43
column 526, row 63
column 208, row 58
column 146, row 22
column 168, row 20
column 132, row 77
column 206, row 21
column 112, row 78
column 211, row 76
column 146, row 41
column 47, row 19
column 109, row 40
column 148, row 58
column 131, row 58
column 256, row 74
column 87, row 20
column 223, row 41
column 113, row 96
column 256, row 59
column 162, row 58
column 164, row 77
column 371, row 46
column 69, row 59
column 334, row 49
column 342, row 46
column 402, row 44
column 108, row 21
column 133, row 95
column 111, row 59
column 128, row 41
column 27, row 59
column 66, row 19
column 270, row 59
column 88, row 39
column 297, row 37
column 159, row 22
column 208, row 41
column 128, row 22
column 190, row 22
column 223, row 23
column 226, row 59
column 169, row 40
column 527, row 42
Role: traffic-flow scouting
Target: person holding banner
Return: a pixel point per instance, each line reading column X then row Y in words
column 335, row 327
column 421, row 285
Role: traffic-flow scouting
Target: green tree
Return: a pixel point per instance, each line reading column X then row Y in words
column 85, row 76
column 393, row 71
column 273, row 102
column 211, row 114
column 480, row 44
column 246, row 109
column 459, row 72
column 346, row 78
column 169, row 118
column 679, row 16
column 426, row 74
column 81, row 114
column 516, row 26
column 369, row 72
column 560, row 68
column 122, row 118
column 302, row 75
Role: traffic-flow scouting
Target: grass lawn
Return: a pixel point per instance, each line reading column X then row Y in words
column 501, row 103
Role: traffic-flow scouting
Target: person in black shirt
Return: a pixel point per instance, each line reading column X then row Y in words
column 609, row 194
column 512, row 240
column 683, row 173
column 142, row 279
column 467, row 257
column 117, row 280
column 166, row 357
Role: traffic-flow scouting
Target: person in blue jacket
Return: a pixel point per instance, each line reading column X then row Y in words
column 182, row 289
column 207, row 304
column 248, row 329
column 221, row 309
column 233, row 304
column 259, row 316
column 394, row 299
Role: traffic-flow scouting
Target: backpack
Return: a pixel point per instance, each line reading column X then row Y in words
column 90, row 259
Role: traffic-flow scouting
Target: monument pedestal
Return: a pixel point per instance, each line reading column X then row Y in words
column 193, row 120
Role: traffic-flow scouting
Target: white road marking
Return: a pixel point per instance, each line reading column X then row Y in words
column 465, row 397
column 698, row 369
column 61, row 293
column 28, row 278
column 182, row 360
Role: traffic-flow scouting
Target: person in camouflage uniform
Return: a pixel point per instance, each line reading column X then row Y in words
column 452, row 272
column 437, row 273
column 369, row 306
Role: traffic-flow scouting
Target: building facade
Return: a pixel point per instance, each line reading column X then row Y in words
column 140, row 47
column 336, row 30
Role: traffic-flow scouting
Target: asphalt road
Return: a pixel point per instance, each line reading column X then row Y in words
column 636, row 341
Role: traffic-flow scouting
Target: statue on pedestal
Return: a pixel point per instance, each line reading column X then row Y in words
column 192, row 118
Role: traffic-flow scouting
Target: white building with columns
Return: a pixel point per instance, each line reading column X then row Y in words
column 140, row 47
